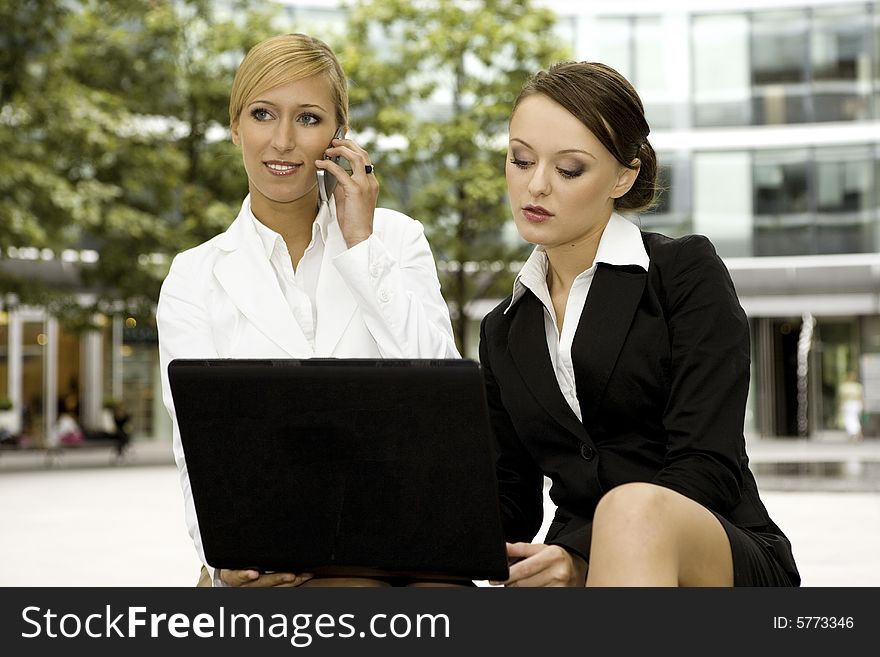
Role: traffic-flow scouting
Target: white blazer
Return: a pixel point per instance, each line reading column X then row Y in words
column 221, row 299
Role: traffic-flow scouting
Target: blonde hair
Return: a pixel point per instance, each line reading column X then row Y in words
column 283, row 59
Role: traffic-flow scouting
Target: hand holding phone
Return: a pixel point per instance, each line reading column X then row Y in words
column 326, row 180
column 356, row 204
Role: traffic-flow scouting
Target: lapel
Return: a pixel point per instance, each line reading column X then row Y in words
column 605, row 322
column 336, row 304
column 248, row 279
column 528, row 349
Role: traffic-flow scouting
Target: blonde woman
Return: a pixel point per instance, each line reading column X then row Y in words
column 296, row 275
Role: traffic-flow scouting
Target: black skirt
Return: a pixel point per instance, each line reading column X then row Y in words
column 755, row 561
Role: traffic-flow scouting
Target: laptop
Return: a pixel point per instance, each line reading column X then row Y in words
column 358, row 467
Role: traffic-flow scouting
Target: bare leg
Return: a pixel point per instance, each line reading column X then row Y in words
column 648, row 535
column 435, row 584
column 205, row 580
column 331, row 582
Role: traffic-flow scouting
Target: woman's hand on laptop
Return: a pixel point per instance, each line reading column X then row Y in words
column 537, row 564
column 253, row 578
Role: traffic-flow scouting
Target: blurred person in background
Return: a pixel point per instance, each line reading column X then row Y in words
column 851, row 395
column 121, row 419
column 297, row 275
column 619, row 366
column 67, row 431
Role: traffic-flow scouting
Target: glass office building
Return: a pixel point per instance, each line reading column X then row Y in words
column 766, row 119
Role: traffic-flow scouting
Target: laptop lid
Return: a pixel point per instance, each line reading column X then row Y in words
column 342, row 466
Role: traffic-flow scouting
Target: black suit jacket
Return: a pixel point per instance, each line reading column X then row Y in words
column 661, row 361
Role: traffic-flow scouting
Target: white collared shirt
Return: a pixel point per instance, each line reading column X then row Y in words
column 300, row 286
column 620, row 244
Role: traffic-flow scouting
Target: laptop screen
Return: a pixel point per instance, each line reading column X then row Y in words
column 342, row 466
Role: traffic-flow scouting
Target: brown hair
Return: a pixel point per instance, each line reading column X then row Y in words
column 606, row 103
column 283, row 59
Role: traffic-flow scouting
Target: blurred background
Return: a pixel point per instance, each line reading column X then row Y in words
column 115, row 155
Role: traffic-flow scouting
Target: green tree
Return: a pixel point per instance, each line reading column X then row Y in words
column 433, row 83
column 111, row 138
column 42, row 126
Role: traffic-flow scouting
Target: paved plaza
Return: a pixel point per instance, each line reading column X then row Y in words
column 81, row 525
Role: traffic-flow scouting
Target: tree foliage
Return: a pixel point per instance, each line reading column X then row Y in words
column 113, row 131
column 433, row 83
column 109, row 118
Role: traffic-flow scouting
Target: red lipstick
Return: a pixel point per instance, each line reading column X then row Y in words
column 536, row 214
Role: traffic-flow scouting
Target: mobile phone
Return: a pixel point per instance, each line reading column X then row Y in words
column 326, row 180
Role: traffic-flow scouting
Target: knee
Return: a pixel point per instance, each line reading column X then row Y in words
column 631, row 506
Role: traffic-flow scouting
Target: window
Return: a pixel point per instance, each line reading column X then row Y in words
column 875, row 228
column 654, row 68
column 841, row 64
column 783, row 221
column 721, row 75
column 672, row 213
column 844, row 200
column 613, row 40
column 781, row 182
column 843, row 180
column 140, row 357
column 779, row 67
column 722, row 200
column 565, row 30
column 819, row 200
column 874, row 21
column 816, row 65
column 778, row 47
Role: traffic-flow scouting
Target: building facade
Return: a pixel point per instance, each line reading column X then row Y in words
column 766, row 119
column 45, row 366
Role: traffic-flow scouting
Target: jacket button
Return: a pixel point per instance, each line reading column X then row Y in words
column 587, row 452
